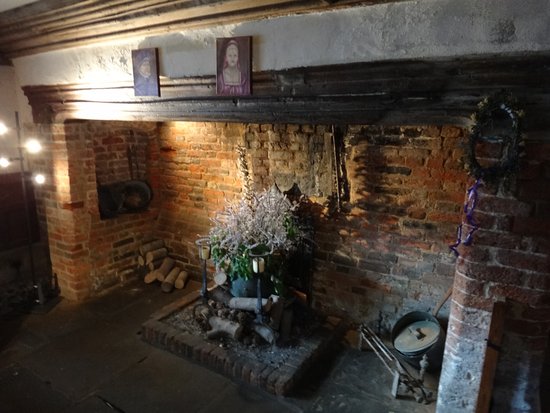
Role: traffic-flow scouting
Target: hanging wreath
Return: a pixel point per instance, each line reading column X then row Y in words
column 492, row 110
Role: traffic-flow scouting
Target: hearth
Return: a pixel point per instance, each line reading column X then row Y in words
column 384, row 149
column 274, row 368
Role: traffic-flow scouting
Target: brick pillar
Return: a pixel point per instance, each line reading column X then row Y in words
column 68, row 224
column 507, row 263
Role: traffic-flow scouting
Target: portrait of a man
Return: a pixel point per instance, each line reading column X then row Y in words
column 145, row 67
column 233, row 66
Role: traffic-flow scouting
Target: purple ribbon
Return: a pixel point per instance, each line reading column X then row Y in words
column 469, row 207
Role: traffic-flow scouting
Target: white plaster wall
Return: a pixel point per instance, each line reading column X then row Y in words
column 415, row 29
column 404, row 30
column 8, row 107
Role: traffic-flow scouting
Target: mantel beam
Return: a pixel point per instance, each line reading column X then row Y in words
column 398, row 92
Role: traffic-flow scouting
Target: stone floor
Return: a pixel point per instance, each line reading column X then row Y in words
column 90, row 358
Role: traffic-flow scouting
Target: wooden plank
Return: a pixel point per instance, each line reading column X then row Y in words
column 494, row 341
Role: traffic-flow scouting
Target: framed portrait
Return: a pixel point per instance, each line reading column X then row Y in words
column 233, row 66
column 146, row 73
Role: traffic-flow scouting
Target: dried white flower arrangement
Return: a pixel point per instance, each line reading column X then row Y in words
column 259, row 223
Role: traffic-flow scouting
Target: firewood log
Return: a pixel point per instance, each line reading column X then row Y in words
column 155, row 264
column 150, row 277
column 249, row 303
column 141, row 260
column 165, row 268
column 167, row 264
column 265, row 332
column 168, row 284
column 181, row 280
column 150, row 246
column 221, row 326
column 155, row 255
column 221, row 295
column 276, row 313
column 286, row 324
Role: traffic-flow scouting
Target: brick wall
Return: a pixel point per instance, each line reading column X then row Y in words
column 384, row 254
column 387, row 256
column 508, row 265
column 89, row 254
column 197, row 173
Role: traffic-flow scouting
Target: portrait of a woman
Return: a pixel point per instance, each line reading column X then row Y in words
column 146, row 80
column 233, row 66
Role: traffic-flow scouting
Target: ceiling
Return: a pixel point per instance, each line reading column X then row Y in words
column 12, row 4
column 46, row 25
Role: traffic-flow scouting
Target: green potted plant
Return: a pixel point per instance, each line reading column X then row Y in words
column 261, row 223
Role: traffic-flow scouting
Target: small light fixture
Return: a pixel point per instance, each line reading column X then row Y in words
column 204, row 247
column 3, row 128
column 39, row 179
column 33, row 145
column 4, row 162
column 258, row 268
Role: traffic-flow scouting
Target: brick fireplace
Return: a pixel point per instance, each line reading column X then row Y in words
column 386, row 186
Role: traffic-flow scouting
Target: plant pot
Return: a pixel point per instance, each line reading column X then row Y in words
column 247, row 288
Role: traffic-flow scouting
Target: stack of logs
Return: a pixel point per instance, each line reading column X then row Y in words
column 153, row 257
column 234, row 317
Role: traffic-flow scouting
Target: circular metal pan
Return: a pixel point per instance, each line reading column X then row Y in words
column 417, row 337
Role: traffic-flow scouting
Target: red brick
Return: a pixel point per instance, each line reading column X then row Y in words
column 523, row 260
column 496, row 205
column 528, row 328
column 531, row 226
column 468, row 285
column 535, row 314
column 451, row 132
column 474, row 301
column 468, row 331
column 523, row 295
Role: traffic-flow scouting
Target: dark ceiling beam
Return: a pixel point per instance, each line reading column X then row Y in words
column 412, row 92
column 54, row 24
column 5, row 61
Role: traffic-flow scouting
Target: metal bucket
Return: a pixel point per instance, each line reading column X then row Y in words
column 417, row 334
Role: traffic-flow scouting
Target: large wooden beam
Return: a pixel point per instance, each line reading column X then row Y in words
column 55, row 24
column 397, row 92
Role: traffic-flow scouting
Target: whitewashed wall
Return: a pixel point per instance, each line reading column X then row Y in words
column 404, row 30
column 8, row 107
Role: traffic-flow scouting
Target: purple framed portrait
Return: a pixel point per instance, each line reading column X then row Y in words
column 146, row 74
column 233, row 66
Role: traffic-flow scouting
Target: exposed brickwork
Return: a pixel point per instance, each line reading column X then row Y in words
column 88, row 254
column 197, row 169
column 389, row 255
column 509, row 262
column 386, row 253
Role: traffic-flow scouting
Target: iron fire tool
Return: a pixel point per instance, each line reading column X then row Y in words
column 401, row 377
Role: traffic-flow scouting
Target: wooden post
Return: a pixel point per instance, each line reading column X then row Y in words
column 494, row 341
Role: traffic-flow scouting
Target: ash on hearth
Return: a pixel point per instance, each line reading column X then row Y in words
column 243, row 336
column 276, row 368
